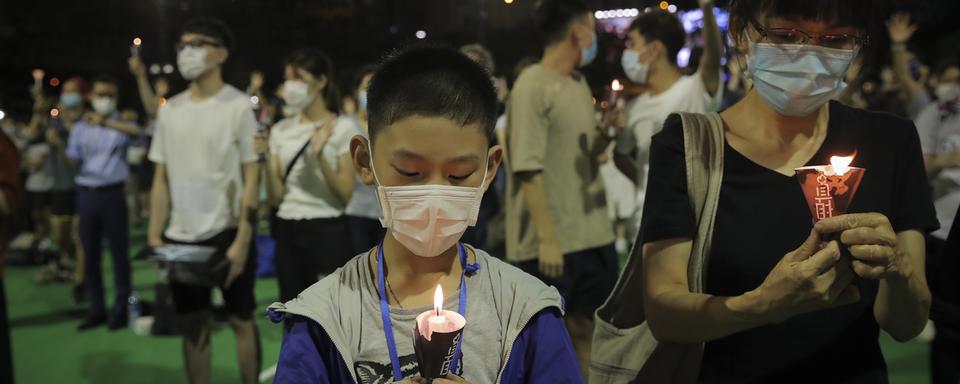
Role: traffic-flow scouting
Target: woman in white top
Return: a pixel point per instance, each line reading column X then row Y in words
column 363, row 211
column 309, row 175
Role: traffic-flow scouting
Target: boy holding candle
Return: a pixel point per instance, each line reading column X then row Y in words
column 430, row 154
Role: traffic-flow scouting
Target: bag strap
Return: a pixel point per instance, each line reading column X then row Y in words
column 296, row 157
column 303, row 149
column 703, row 147
column 703, row 139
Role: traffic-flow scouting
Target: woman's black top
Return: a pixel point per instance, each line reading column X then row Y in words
column 762, row 215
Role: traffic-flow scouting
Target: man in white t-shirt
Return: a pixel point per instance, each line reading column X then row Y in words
column 653, row 41
column 206, row 182
column 939, row 128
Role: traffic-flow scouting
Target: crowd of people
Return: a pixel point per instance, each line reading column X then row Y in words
column 379, row 192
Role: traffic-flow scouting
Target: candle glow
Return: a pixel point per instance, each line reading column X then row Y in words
column 616, row 85
column 840, row 164
column 438, row 302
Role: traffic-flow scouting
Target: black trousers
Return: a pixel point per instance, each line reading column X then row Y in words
column 103, row 214
column 309, row 249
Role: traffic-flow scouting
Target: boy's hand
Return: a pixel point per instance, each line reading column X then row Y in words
column 412, row 380
column 450, row 379
column 551, row 259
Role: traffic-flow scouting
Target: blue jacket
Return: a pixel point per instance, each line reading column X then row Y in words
column 543, row 353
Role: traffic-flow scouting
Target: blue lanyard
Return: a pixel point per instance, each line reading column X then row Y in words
column 385, row 310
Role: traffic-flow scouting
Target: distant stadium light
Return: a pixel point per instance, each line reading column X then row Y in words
column 616, row 13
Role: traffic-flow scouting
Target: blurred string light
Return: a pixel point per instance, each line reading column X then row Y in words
column 54, row 112
column 154, row 69
column 508, row 1
column 664, row 5
column 616, row 13
column 137, row 41
column 672, row 8
column 163, row 100
column 2, row 114
column 168, row 68
column 54, row 82
column 421, row 34
column 254, row 100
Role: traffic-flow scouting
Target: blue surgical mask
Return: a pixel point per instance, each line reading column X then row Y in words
column 362, row 100
column 636, row 71
column 71, row 100
column 797, row 79
column 589, row 53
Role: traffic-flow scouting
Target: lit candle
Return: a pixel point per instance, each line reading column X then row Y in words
column 436, row 337
column 829, row 189
column 135, row 48
column 439, row 320
column 38, row 75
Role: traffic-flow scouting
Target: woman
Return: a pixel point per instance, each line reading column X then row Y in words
column 782, row 302
column 309, row 175
column 363, row 211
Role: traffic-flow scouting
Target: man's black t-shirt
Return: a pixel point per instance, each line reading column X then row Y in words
column 762, row 215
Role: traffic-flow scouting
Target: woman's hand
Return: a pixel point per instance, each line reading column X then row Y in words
column 320, row 137
column 871, row 241
column 808, row 279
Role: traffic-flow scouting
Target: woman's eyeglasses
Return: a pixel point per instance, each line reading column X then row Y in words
column 796, row 36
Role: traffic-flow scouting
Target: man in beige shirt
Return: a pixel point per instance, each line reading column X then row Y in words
column 557, row 223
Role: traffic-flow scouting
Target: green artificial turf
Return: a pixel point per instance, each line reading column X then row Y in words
column 48, row 349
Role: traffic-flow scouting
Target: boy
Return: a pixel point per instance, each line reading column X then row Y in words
column 431, row 115
column 203, row 139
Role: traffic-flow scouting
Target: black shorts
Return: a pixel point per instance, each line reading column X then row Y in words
column 238, row 300
column 63, row 203
column 588, row 278
column 309, row 249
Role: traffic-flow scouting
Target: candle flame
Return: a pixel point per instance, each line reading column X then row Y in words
column 438, row 299
column 841, row 164
column 137, row 41
column 616, row 85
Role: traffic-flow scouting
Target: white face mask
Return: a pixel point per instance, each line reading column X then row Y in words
column 192, row 62
column 296, row 94
column 636, row 71
column 428, row 219
column 104, row 105
column 947, row 91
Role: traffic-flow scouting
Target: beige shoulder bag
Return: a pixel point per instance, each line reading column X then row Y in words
column 624, row 350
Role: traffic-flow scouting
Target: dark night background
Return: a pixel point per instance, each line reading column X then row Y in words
column 88, row 37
